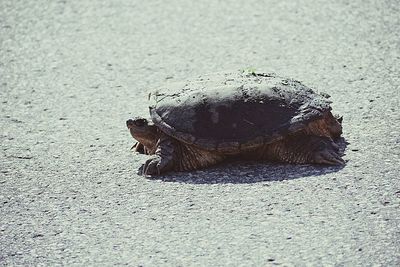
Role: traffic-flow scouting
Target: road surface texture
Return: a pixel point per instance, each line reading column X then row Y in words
column 72, row 72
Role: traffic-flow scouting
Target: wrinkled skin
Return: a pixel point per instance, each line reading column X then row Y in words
column 145, row 133
column 315, row 144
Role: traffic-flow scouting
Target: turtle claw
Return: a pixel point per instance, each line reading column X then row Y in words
column 335, row 146
column 329, row 155
column 151, row 166
column 155, row 165
column 328, row 158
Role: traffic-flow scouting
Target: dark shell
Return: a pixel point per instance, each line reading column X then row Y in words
column 230, row 111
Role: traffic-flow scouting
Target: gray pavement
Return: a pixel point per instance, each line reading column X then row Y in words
column 72, row 72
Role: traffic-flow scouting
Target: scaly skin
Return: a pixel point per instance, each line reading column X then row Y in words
column 311, row 145
column 173, row 155
column 145, row 133
column 168, row 153
column 300, row 149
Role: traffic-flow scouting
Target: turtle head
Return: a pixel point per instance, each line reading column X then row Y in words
column 143, row 131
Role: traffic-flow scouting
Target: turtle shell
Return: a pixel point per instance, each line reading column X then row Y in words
column 235, row 110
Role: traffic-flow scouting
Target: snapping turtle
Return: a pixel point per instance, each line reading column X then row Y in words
column 250, row 115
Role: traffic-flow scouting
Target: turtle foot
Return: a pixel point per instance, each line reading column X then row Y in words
column 327, row 152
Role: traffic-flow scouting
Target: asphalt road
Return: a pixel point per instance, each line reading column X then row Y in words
column 72, row 72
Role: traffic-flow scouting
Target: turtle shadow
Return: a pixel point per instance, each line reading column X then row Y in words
column 244, row 172
column 247, row 172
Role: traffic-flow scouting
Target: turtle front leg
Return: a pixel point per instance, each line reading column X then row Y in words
column 305, row 149
column 162, row 161
column 172, row 155
column 139, row 148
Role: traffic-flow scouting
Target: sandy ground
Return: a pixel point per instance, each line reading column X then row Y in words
column 72, row 72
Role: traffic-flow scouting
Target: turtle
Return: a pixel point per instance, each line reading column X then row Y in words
column 248, row 115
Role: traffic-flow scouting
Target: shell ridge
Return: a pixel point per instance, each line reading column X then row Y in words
column 249, row 110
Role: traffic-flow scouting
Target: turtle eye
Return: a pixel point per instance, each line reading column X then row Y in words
column 140, row 122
